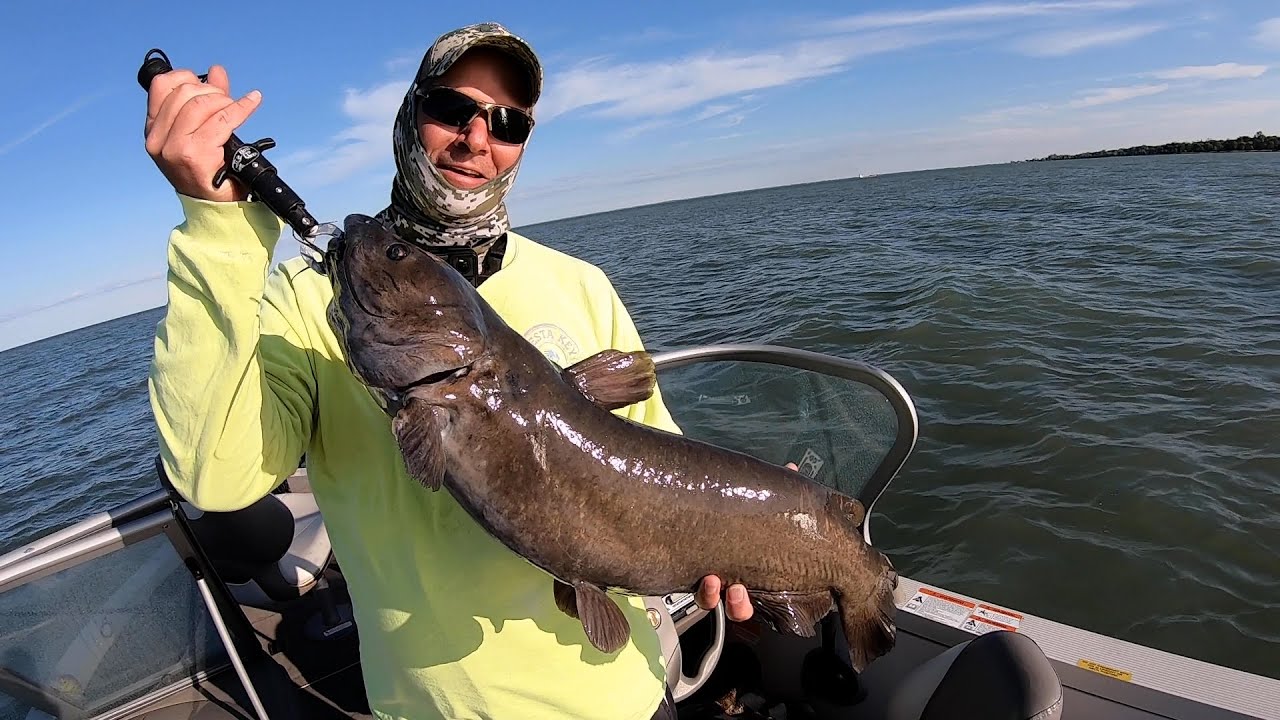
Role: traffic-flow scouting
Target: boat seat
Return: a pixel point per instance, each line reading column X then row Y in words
column 1000, row 674
column 269, row 553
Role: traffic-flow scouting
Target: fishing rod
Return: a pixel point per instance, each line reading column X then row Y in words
column 246, row 163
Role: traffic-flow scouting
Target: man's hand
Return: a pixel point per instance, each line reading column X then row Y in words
column 739, row 606
column 187, row 124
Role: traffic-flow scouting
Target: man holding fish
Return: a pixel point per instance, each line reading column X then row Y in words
column 248, row 376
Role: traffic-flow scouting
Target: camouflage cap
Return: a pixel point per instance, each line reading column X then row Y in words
column 450, row 46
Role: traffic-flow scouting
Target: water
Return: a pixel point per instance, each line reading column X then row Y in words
column 1093, row 347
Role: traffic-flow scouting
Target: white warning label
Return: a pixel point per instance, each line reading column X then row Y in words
column 938, row 606
column 996, row 618
column 975, row 617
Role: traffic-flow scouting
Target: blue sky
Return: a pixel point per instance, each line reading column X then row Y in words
column 642, row 103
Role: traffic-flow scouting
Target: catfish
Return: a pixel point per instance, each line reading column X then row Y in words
column 536, row 456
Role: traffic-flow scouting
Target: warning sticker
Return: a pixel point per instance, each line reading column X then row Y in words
column 994, row 618
column 977, row 618
column 982, row 626
column 1104, row 670
column 938, row 606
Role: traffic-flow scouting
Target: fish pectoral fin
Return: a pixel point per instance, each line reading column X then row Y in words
column 607, row 628
column 793, row 613
column 418, row 428
column 848, row 507
column 614, row 379
column 566, row 598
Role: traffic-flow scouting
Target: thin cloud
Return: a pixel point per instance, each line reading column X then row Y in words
column 364, row 143
column 77, row 296
column 653, row 88
column 1268, row 33
column 51, row 121
column 1221, row 71
column 985, row 12
column 1084, row 99
column 719, row 115
column 1107, row 96
column 1066, row 42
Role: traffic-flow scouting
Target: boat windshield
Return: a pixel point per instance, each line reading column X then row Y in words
column 103, row 630
column 843, row 423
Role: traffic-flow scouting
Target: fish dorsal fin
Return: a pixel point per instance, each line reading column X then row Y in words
column 613, row 379
column 418, row 428
column 847, row 507
column 606, row 627
column 795, row 613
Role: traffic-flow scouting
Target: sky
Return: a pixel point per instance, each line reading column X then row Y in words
column 642, row 103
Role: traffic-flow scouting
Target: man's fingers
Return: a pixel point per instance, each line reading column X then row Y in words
column 161, row 87
column 738, row 606
column 708, row 592
column 217, row 129
column 180, row 115
column 218, row 78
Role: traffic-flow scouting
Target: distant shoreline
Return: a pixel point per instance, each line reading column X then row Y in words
column 1258, row 142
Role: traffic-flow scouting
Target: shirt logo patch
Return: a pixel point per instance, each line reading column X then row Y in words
column 554, row 343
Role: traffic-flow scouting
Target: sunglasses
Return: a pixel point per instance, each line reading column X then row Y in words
column 450, row 107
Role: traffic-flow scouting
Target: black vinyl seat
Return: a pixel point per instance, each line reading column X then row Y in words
column 269, row 553
column 1001, row 675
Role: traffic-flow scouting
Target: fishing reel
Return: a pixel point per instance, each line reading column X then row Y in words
column 246, row 163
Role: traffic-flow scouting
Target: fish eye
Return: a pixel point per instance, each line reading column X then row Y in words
column 397, row 252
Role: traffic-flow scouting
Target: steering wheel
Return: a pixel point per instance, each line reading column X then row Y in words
column 669, row 630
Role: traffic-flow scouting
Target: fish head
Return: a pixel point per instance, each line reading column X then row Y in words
column 403, row 317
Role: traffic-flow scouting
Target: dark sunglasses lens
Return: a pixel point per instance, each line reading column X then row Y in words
column 448, row 107
column 509, row 126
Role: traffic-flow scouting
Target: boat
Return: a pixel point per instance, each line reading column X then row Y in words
column 156, row 610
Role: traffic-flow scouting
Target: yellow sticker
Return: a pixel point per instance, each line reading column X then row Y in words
column 1104, row 670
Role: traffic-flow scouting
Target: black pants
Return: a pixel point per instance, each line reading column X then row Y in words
column 667, row 710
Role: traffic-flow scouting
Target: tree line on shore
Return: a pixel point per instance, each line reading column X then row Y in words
column 1258, row 142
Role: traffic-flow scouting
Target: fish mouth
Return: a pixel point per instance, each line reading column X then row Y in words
column 344, row 274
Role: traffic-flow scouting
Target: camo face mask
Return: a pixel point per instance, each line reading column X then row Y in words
column 424, row 207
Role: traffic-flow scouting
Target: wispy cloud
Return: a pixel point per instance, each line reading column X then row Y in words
column 1083, row 99
column 51, row 121
column 634, row 90
column 1184, row 77
column 653, row 88
column 1268, row 33
column 721, row 115
column 1221, row 71
column 985, row 12
column 364, row 143
column 78, row 295
column 1066, row 42
column 1107, row 96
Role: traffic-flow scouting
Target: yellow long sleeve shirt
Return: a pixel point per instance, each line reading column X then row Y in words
column 248, row 376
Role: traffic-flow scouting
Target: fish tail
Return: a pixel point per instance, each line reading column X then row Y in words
column 868, row 619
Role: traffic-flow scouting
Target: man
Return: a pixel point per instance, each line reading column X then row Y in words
column 248, row 377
